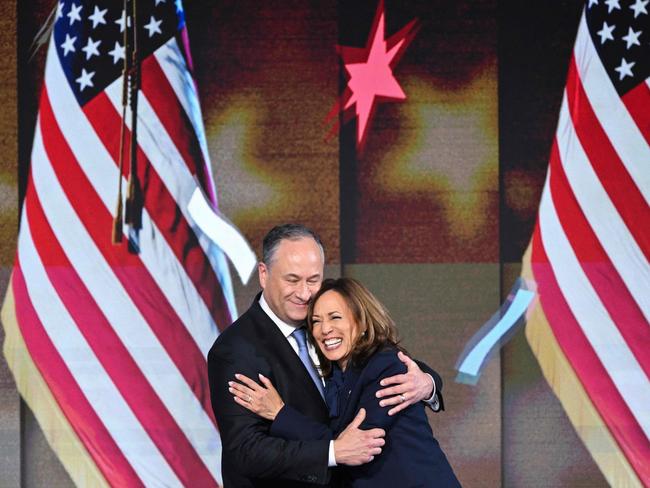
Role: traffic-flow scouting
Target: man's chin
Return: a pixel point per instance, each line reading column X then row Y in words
column 298, row 318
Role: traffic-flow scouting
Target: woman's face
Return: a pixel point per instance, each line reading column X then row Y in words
column 333, row 327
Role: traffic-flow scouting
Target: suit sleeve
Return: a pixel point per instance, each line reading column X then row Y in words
column 437, row 379
column 385, row 365
column 245, row 437
column 292, row 424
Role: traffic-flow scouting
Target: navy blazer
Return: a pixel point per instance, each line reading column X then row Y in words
column 411, row 457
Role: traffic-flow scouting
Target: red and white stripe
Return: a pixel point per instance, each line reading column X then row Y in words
column 121, row 338
column 591, row 247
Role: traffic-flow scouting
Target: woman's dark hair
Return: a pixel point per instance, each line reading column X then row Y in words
column 376, row 327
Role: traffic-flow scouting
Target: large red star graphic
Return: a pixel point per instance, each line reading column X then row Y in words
column 370, row 73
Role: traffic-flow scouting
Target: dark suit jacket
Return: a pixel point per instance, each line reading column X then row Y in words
column 411, row 457
column 250, row 456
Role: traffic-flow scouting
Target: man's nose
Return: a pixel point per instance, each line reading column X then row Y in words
column 303, row 292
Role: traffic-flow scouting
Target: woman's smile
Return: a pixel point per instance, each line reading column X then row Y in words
column 334, row 327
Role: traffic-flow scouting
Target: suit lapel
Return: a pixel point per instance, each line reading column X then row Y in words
column 284, row 354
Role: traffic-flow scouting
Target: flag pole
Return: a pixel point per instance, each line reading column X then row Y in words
column 117, row 220
column 134, row 201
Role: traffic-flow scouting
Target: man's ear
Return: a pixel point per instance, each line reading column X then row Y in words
column 262, row 273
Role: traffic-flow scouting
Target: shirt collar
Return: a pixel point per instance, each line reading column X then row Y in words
column 286, row 329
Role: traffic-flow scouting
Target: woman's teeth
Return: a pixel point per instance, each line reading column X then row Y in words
column 332, row 343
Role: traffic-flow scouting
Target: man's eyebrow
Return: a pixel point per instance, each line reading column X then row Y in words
column 297, row 277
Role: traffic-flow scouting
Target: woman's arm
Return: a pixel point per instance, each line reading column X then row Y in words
column 265, row 401
column 245, row 436
column 290, row 424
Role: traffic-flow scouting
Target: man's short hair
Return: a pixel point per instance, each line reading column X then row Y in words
column 292, row 232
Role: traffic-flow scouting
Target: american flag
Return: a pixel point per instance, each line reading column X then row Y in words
column 107, row 346
column 590, row 250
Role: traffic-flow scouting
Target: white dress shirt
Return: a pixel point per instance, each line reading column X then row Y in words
column 287, row 330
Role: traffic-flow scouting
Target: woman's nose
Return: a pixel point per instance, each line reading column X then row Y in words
column 326, row 327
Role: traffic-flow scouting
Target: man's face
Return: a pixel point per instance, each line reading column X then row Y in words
column 293, row 276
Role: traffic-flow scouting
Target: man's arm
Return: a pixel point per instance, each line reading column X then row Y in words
column 352, row 447
column 411, row 387
column 433, row 401
column 385, row 365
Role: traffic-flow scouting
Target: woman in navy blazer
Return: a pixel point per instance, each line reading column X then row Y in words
column 357, row 346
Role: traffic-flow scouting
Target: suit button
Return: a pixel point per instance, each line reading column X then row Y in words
column 312, row 479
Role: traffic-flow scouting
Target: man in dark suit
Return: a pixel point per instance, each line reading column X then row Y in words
column 269, row 339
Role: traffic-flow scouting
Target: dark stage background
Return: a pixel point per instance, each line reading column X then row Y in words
column 433, row 216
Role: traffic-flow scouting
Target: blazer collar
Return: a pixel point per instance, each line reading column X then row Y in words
column 351, row 377
column 285, row 328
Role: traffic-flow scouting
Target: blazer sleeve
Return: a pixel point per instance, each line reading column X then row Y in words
column 245, row 437
column 437, row 379
column 384, row 365
column 292, row 424
column 289, row 423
